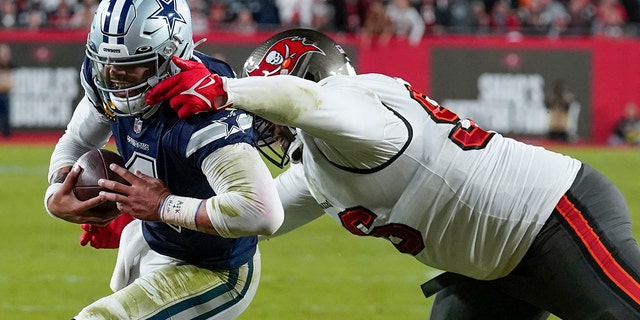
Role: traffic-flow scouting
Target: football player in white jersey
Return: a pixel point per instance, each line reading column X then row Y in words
column 521, row 231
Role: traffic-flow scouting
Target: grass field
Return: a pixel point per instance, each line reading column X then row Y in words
column 317, row 272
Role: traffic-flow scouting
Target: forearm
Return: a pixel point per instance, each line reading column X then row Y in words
column 86, row 130
column 246, row 201
column 324, row 110
column 284, row 100
column 56, row 178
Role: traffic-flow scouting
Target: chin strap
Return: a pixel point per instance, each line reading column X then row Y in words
column 201, row 41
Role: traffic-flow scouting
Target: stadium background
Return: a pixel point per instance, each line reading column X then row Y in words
column 320, row 271
column 499, row 76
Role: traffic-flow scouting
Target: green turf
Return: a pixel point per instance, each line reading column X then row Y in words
column 318, row 272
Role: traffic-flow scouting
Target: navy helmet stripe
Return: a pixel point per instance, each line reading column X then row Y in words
column 107, row 22
column 117, row 15
column 126, row 8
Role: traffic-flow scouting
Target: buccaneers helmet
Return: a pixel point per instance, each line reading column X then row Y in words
column 303, row 53
column 136, row 33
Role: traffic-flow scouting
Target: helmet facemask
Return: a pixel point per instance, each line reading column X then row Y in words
column 278, row 144
column 125, row 94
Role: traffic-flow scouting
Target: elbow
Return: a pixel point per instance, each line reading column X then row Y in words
column 268, row 214
column 271, row 222
column 245, row 218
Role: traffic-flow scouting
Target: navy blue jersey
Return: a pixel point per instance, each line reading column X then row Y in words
column 173, row 150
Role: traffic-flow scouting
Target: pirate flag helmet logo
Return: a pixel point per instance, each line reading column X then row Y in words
column 304, row 53
column 284, row 56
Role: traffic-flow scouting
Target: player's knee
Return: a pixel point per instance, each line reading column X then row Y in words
column 103, row 309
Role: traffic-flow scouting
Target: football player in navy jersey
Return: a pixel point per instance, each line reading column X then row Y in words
column 192, row 251
column 521, row 231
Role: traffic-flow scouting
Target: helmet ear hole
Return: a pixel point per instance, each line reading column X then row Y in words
column 143, row 49
column 309, row 76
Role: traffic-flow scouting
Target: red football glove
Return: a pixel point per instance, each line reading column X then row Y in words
column 107, row 237
column 194, row 89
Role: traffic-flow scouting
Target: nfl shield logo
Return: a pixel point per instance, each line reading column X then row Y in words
column 137, row 126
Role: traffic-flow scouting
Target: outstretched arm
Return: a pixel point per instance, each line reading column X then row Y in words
column 341, row 112
column 332, row 109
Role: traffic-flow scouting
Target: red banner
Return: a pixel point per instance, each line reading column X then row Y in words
column 605, row 73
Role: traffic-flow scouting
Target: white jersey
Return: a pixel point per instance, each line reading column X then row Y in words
column 386, row 161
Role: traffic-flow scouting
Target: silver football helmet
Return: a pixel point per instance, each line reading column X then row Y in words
column 139, row 37
column 303, row 53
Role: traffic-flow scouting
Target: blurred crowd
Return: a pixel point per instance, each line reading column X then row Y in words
column 375, row 20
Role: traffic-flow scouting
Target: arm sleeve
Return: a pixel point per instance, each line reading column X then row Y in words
column 343, row 114
column 329, row 111
column 87, row 130
column 299, row 205
column 246, row 200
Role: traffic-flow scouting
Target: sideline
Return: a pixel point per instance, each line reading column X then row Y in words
column 19, row 137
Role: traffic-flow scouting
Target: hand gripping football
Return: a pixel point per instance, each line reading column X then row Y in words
column 95, row 166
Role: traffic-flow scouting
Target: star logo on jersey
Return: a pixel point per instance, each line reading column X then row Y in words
column 283, row 56
column 234, row 123
column 168, row 12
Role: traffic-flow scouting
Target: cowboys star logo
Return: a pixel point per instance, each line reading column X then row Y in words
column 169, row 13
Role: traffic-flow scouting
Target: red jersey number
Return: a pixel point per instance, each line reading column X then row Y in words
column 358, row 220
column 465, row 134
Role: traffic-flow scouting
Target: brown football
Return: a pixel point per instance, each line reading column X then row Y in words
column 95, row 166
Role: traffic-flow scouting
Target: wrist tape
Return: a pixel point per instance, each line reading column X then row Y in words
column 180, row 211
column 53, row 188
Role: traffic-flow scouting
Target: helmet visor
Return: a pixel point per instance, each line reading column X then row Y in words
column 123, row 81
column 124, row 78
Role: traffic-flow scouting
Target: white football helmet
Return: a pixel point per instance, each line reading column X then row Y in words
column 136, row 33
